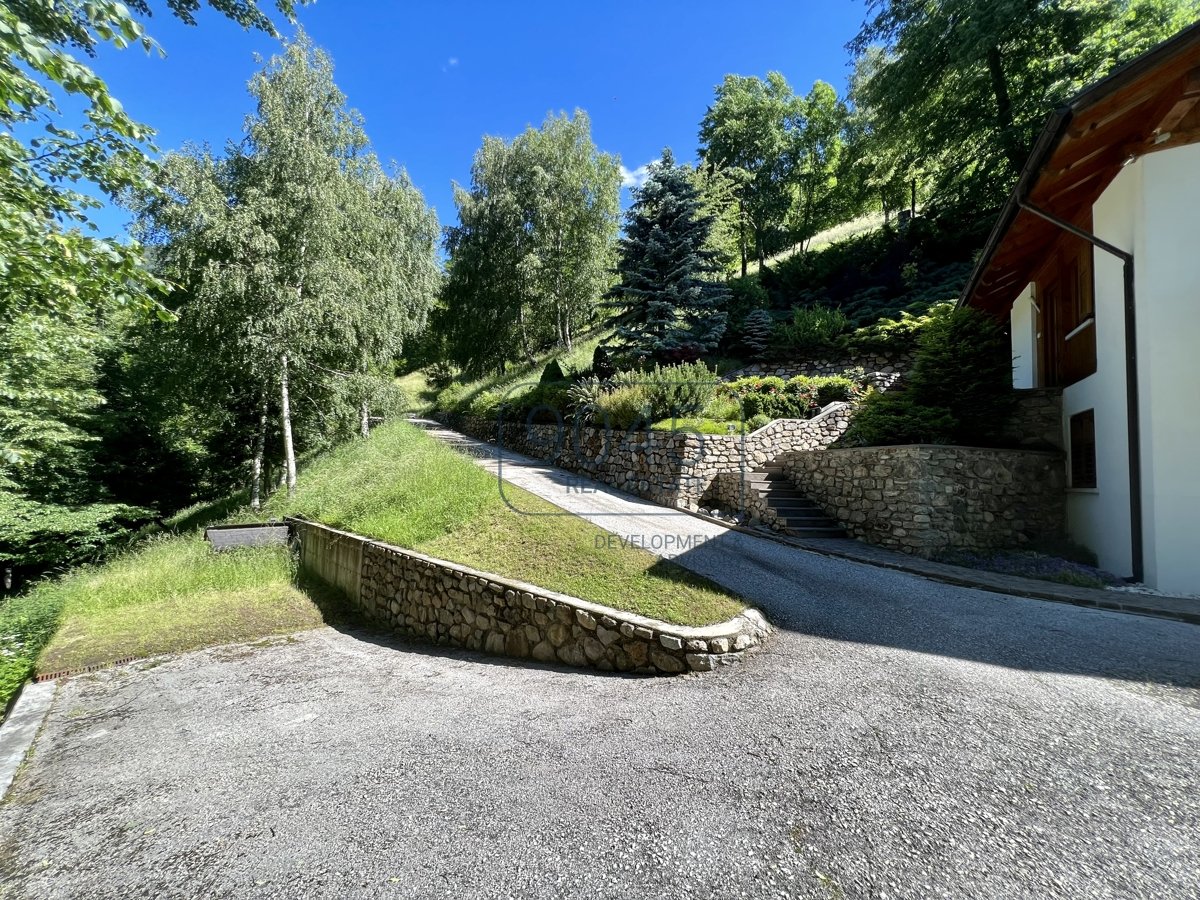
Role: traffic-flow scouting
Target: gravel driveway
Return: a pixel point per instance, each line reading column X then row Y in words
column 897, row 738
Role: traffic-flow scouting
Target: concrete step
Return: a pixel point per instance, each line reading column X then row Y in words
column 833, row 532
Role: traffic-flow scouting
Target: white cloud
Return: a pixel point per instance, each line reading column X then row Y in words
column 451, row 63
column 635, row 178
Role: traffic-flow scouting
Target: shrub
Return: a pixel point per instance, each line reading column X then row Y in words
column 602, row 365
column 812, row 329
column 623, row 407
column 964, row 364
column 723, row 408
column 553, row 373
column 959, row 390
column 583, row 397
column 756, row 333
column 828, row 389
column 894, row 418
column 440, row 375
column 756, row 422
column 487, row 403
column 679, row 390
column 897, row 335
column 450, row 398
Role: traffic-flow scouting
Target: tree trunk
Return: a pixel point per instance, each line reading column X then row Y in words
column 285, row 414
column 365, row 420
column 742, row 233
column 260, row 445
column 524, row 336
column 1004, row 110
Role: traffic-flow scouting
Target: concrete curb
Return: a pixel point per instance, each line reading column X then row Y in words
column 20, row 729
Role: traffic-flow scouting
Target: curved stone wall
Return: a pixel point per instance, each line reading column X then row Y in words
column 420, row 596
column 674, row 468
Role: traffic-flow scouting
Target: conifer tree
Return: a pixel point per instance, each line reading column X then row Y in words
column 671, row 299
column 756, row 333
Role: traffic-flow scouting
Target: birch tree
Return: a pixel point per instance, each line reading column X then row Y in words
column 302, row 264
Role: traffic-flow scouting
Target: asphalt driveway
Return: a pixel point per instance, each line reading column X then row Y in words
column 897, row 738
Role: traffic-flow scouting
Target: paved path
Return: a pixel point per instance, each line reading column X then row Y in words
column 897, row 738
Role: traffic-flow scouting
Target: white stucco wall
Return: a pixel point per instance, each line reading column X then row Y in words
column 1168, row 300
column 1023, row 327
column 1099, row 518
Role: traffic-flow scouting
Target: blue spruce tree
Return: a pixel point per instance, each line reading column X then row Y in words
column 671, row 295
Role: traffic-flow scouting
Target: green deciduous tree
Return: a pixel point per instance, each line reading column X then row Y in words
column 532, row 252
column 963, row 85
column 746, row 134
column 672, row 305
column 817, row 147
column 303, row 267
column 63, row 290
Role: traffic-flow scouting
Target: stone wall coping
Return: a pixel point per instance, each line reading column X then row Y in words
column 1057, row 454
column 827, row 410
column 730, row 628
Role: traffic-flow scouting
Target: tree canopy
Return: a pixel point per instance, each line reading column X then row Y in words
column 670, row 297
column 959, row 88
column 303, row 267
column 532, row 253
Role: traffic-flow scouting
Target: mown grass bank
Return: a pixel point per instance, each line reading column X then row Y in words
column 406, row 488
column 172, row 593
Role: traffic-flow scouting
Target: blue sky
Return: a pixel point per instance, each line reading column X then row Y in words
column 432, row 78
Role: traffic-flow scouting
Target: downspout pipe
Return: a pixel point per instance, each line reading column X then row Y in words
column 1132, row 403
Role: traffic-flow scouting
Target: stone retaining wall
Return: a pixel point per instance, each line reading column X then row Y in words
column 443, row 602
column 731, row 493
column 923, row 499
column 1037, row 420
column 672, row 468
column 875, row 364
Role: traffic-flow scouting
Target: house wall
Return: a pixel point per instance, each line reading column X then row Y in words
column 1168, row 297
column 1098, row 517
column 1152, row 208
column 1023, row 325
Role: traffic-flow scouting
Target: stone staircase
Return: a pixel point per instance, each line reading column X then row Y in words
column 796, row 515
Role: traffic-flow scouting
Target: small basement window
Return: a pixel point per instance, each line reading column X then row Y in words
column 1083, row 449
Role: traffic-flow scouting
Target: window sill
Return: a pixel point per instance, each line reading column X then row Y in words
column 1075, row 490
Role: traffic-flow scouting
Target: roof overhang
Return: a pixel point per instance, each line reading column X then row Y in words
column 1150, row 104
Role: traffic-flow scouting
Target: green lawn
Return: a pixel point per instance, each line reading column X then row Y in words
column 172, row 594
column 406, row 488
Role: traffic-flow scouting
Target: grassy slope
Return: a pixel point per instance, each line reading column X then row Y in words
column 525, row 374
column 174, row 594
column 854, row 227
column 171, row 593
column 404, row 487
